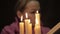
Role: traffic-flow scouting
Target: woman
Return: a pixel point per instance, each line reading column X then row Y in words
column 30, row 7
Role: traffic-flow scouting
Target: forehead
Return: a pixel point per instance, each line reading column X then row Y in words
column 32, row 5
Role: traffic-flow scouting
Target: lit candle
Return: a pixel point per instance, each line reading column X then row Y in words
column 28, row 26
column 27, row 20
column 37, row 18
column 21, row 26
column 37, row 28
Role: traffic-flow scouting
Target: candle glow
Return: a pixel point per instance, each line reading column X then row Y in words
column 37, row 22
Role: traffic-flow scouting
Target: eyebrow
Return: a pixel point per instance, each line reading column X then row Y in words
column 34, row 9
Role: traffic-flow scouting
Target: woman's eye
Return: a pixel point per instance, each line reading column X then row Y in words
column 32, row 12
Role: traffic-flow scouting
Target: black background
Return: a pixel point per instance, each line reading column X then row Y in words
column 50, row 11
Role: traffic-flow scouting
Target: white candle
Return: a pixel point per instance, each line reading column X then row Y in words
column 37, row 28
column 37, row 18
column 21, row 26
column 28, row 26
column 27, row 21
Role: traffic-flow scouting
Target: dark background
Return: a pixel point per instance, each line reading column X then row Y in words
column 50, row 11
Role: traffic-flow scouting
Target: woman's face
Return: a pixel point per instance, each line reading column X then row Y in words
column 31, row 9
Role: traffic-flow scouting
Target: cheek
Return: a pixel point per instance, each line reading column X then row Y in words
column 32, row 18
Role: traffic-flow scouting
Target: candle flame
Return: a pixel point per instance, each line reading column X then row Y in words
column 37, row 11
column 21, row 18
column 26, row 15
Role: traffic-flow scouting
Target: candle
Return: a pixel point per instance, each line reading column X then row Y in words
column 37, row 28
column 27, row 20
column 21, row 26
column 28, row 26
column 37, row 18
